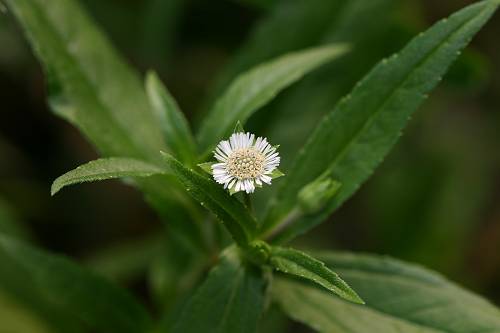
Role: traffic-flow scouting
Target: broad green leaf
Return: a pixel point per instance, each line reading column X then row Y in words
column 105, row 168
column 102, row 306
column 299, row 264
column 89, row 84
column 175, row 127
column 258, row 86
column 399, row 297
column 229, row 210
column 354, row 138
column 230, row 300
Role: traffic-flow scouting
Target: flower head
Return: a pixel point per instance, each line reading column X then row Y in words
column 244, row 162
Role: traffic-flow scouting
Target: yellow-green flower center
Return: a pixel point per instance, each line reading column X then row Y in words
column 246, row 163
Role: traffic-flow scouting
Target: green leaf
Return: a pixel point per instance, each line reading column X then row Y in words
column 93, row 88
column 105, row 168
column 231, row 300
column 258, row 86
column 399, row 298
column 299, row 264
column 276, row 174
column 353, row 139
column 89, row 84
column 175, row 127
column 99, row 304
column 229, row 210
column 207, row 167
column 238, row 128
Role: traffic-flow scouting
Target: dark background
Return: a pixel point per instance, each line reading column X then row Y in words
column 435, row 200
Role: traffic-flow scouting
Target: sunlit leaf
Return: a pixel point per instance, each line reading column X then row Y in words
column 299, row 264
column 105, row 168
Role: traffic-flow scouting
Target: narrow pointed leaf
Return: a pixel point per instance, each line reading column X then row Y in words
column 175, row 127
column 105, row 168
column 258, row 86
column 89, row 84
column 229, row 210
column 100, row 305
column 230, row 300
column 92, row 87
column 299, row 264
column 399, row 297
column 355, row 137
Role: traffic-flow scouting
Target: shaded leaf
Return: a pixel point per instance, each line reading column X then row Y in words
column 352, row 140
column 399, row 297
column 175, row 127
column 299, row 264
column 258, row 86
column 105, row 168
column 231, row 300
column 96, row 302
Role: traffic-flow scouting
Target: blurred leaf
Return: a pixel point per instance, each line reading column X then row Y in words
column 9, row 224
column 105, row 168
column 365, row 125
column 229, row 210
column 99, row 304
column 290, row 26
column 91, row 85
column 175, row 127
column 17, row 319
column 231, row 300
column 159, row 30
column 399, row 298
column 299, row 264
column 255, row 88
column 126, row 261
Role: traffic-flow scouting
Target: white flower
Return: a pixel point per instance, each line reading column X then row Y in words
column 244, row 162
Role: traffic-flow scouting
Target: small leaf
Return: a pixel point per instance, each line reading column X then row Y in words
column 100, row 305
column 105, row 168
column 230, row 300
column 297, row 263
column 355, row 137
column 229, row 210
column 276, row 173
column 238, row 128
column 258, row 86
column 207, row 167
column 400, row 297
column 316, row 194
column 175, row 127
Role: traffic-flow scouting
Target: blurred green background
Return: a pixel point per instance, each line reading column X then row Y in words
column 435, row 200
